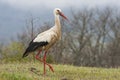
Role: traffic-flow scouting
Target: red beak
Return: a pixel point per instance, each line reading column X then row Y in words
column 61, row 14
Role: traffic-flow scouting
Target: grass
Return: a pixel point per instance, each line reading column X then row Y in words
column 21, row 71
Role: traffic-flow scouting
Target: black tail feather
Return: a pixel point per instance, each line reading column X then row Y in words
column 33, row 46
column 25, row 54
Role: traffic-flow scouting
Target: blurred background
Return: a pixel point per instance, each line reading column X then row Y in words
column 91, row 38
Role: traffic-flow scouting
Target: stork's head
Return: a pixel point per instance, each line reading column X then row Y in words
column 58, row 11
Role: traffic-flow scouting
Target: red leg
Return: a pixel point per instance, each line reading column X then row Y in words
column 38, row 53
column 37, row 57
column 44, row 58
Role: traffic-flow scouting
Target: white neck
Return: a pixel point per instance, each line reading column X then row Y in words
column 57, row 26
column 57, row 22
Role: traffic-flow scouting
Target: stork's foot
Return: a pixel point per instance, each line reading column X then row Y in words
column 51, row 68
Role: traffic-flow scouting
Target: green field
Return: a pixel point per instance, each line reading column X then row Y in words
column 21, row 71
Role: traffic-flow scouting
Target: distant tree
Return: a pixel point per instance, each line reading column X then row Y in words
column 12, row 52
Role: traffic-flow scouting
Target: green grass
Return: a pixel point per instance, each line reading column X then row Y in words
column 21, row 71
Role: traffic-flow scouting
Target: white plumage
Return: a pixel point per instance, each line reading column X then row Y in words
column 45, row 40
column 45, row 36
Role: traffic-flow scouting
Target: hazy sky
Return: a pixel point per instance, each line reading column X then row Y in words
column 26, row 4
column 13, row 13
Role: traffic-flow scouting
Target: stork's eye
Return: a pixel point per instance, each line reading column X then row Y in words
column 58, row 10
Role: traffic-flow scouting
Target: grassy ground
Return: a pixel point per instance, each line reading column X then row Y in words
column 21, row 71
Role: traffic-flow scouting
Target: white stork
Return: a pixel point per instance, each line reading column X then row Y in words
column 45, row 40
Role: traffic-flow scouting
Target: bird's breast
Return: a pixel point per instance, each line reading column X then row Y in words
column 54, row 39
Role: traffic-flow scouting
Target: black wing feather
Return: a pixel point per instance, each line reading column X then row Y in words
column 33, row 46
